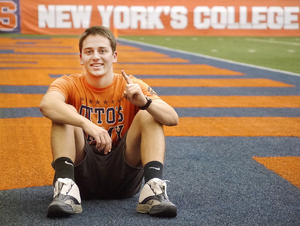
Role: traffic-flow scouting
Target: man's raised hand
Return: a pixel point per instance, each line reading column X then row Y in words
column 126, row 77
column 133, row 92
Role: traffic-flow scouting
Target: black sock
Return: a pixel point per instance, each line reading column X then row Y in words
column 64, row 168
column 152, row 170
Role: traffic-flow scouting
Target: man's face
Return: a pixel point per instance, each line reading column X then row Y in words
column 97, row 56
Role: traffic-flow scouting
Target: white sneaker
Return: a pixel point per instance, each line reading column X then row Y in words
column 66, row 199
column 154, row 199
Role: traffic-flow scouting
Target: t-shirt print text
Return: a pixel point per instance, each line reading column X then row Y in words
column 110, row 116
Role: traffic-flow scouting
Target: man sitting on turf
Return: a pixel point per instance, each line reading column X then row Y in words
column 107, row 133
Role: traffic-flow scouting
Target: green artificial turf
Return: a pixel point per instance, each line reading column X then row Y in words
column 282, row 53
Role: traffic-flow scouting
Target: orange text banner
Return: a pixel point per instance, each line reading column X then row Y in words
column 163, row 17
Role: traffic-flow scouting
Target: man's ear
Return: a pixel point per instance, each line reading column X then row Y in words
column 81, row 63
column 115, row 56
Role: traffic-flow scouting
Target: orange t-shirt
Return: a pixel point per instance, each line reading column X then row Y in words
column 106, row 106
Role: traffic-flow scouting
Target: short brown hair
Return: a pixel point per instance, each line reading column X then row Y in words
column 99, row 30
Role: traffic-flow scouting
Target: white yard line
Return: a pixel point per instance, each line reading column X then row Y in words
column 272, row 41
column 209, row 57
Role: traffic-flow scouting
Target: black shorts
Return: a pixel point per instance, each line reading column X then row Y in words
column 108, row 176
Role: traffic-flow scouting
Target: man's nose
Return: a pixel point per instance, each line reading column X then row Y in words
column 96, row 56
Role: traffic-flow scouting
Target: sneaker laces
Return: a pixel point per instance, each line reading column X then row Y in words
column 59, row 186
column 163, row 186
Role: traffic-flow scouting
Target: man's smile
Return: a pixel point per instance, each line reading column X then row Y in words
column 96, row 65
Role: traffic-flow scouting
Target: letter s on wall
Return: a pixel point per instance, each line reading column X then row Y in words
column 8, row 17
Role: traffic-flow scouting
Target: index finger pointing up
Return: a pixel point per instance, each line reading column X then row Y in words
column 127, row 79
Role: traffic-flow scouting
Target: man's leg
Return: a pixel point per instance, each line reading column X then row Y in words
column 145, row 140
column 67, row 143
column 145, row 144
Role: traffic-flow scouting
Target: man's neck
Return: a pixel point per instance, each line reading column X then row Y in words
column 100, row 81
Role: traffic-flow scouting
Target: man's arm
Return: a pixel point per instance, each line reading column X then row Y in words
column 54, row 107
column 163, row 112
column 159, row 109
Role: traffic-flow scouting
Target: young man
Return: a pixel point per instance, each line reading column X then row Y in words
column 107, row 133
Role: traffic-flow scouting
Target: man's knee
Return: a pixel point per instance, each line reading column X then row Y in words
column 146, row 119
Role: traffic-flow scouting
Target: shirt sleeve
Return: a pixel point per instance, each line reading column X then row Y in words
column 62, row 85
